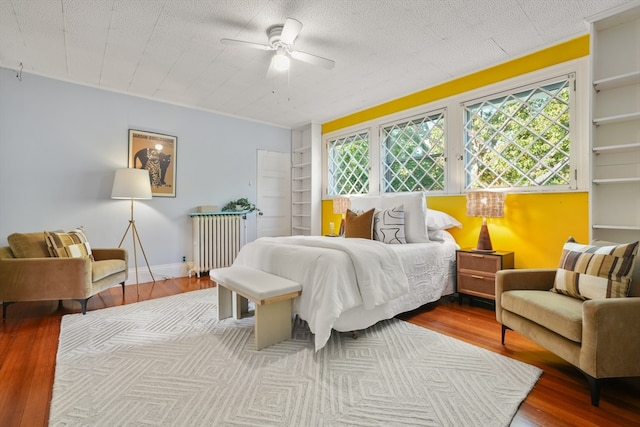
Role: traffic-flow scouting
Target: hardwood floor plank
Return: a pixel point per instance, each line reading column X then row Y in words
column 29, row 343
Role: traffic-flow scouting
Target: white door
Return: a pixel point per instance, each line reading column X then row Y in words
column 273, row 187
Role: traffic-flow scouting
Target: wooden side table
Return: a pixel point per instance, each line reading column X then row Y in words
column 477, row 271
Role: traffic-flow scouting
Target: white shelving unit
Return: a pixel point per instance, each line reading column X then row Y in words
column 615, row 114
column 306, row 207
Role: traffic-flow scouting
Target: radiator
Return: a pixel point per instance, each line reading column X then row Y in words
column 217, row 239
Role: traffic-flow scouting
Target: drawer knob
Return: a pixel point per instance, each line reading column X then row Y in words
column 477, row 277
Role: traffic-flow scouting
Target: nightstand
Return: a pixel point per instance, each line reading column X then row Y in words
column 477, row 271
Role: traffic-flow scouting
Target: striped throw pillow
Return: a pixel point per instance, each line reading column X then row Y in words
column 595, row 272
column 73, row 244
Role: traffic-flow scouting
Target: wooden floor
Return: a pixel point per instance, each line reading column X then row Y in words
column 29, row 342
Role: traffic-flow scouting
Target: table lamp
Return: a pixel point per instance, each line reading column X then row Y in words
column 340, row 206
column 485, row 204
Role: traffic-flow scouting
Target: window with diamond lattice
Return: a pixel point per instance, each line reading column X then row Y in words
column 348, row 162
column 413, row 154
column 520, row 139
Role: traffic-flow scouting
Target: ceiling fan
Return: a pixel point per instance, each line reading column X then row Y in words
column 281, row 40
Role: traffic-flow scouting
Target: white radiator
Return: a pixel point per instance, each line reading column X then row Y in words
column 217, row 239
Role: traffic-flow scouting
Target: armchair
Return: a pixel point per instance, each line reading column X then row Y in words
column 600, row 336
column 29, row 273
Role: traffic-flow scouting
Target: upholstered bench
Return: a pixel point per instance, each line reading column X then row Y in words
column 271, row 295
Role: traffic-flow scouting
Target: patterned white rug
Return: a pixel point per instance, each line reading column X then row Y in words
column 169, row 362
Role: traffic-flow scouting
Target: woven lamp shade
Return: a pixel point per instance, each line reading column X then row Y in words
column 340, row 205
column 486, row 204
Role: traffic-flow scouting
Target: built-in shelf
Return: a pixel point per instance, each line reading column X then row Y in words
column 622, row 148
column 302, row 165
column 306, row 180
column 617, row 81
column 302, row 149
column 618, row 118
column 615, row 102
column 616, row 180
column 616, row 227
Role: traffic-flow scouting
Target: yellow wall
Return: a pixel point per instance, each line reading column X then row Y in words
column 535, row 226
column 572, row 49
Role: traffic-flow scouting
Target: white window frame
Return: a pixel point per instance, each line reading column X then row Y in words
column 455, row 174
column 572, row 124
column 382, row 126
column 325, row 155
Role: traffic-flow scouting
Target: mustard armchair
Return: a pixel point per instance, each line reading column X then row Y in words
column 29, row 273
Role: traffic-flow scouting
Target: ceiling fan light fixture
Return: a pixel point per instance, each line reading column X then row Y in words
column 281, row 61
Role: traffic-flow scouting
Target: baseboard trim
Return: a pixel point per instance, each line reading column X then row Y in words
column 160, row 272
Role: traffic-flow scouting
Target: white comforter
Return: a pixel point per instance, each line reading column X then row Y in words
column 337, row 275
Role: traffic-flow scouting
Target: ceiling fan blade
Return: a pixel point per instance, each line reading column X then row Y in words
column 241, row 43
column 313, row 59
column 290, row 31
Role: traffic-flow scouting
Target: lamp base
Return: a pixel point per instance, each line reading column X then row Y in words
column 484, row 240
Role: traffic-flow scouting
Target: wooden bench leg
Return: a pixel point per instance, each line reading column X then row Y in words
column 273, row 323
column 240, row 306
column 225, row 303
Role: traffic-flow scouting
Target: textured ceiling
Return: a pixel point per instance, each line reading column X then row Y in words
column 383, row 49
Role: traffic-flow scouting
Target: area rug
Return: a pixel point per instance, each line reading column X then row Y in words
column 169, row 362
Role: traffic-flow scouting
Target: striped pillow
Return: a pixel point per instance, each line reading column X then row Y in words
column 73, row 244
column 595, row 272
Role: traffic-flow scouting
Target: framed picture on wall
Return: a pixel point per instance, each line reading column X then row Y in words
column 156, row 153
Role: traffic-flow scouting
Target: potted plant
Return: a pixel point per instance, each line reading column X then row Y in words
column 240, row 205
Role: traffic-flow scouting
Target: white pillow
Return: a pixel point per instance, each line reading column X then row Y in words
column 388, row 225
column 437, row 220
column 415, row 214
column 440, row 236
column 364, row 203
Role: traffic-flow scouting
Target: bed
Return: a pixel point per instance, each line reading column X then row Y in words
column 351, row 284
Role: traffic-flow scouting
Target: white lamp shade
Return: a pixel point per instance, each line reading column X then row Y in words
column 131, row 184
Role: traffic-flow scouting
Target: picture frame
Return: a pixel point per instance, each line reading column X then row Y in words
column 156, row 153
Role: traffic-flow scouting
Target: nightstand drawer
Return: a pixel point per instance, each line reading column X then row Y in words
column 477, row 271
column 479, row 262
column 477, row 284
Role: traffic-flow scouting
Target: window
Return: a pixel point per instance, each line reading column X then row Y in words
column 520, row 139
column 413, row 154
column 348, row 164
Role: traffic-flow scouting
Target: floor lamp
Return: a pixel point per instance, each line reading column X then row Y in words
column 133, row 184
column 485, row 204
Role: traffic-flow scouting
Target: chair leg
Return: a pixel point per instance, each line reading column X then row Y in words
column 83, row 304
column 504, row 330
column 122, row 284
column 595, row 384
column 5, row 304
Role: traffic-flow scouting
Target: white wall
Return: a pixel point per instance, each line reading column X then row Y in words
column 60, row 144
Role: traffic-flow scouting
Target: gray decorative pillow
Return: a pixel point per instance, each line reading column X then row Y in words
column 388, row 225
